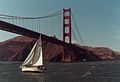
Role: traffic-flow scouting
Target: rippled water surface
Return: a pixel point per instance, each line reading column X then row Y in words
column 63, row 72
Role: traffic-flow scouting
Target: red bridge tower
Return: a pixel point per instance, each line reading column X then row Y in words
column 67, row 55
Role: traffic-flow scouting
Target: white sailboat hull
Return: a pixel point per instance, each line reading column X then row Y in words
column 32, row 69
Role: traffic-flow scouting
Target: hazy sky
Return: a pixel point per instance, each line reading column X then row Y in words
column 98, row 20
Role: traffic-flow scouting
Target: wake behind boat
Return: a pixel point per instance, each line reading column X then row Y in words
column 34, row 61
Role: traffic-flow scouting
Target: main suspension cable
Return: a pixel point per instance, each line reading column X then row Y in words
column 74, row 36
column 77, row 29
column 2, row 16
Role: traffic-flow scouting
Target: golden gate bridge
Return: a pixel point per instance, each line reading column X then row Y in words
column 48, row 26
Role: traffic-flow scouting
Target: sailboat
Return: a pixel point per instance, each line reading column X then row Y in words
column 34, row 61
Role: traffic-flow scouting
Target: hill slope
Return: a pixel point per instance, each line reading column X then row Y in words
column 17, row 49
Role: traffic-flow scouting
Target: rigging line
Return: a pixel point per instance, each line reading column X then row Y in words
column 77, row 29
column 74, row 36
column 47, row 16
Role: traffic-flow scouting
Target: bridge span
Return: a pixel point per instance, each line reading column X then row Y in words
column 67, row 47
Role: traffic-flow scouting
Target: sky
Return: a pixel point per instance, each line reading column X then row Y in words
column 98, row 20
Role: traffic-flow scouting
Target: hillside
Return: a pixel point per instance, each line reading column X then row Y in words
column 103, row 53
column 17, row 49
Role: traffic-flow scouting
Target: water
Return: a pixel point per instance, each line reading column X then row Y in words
column 63, row 72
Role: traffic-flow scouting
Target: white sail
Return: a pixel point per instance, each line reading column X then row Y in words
column 35, row 58
column 28, row 60
column 38, row 58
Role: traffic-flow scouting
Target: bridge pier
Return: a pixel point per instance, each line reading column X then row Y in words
column 67, row 54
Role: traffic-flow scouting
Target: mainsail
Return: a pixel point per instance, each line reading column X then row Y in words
column 35, row 57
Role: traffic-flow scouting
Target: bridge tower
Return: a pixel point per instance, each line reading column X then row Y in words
column 67, row 56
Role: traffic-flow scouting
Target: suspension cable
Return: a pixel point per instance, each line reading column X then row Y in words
column 77, row 29
column 20, row 17
column 80, row 34
column 74, row 36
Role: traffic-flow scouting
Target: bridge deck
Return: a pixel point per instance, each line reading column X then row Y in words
column 26, row 32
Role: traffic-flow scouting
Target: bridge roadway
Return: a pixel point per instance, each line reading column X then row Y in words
column 26, row 32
